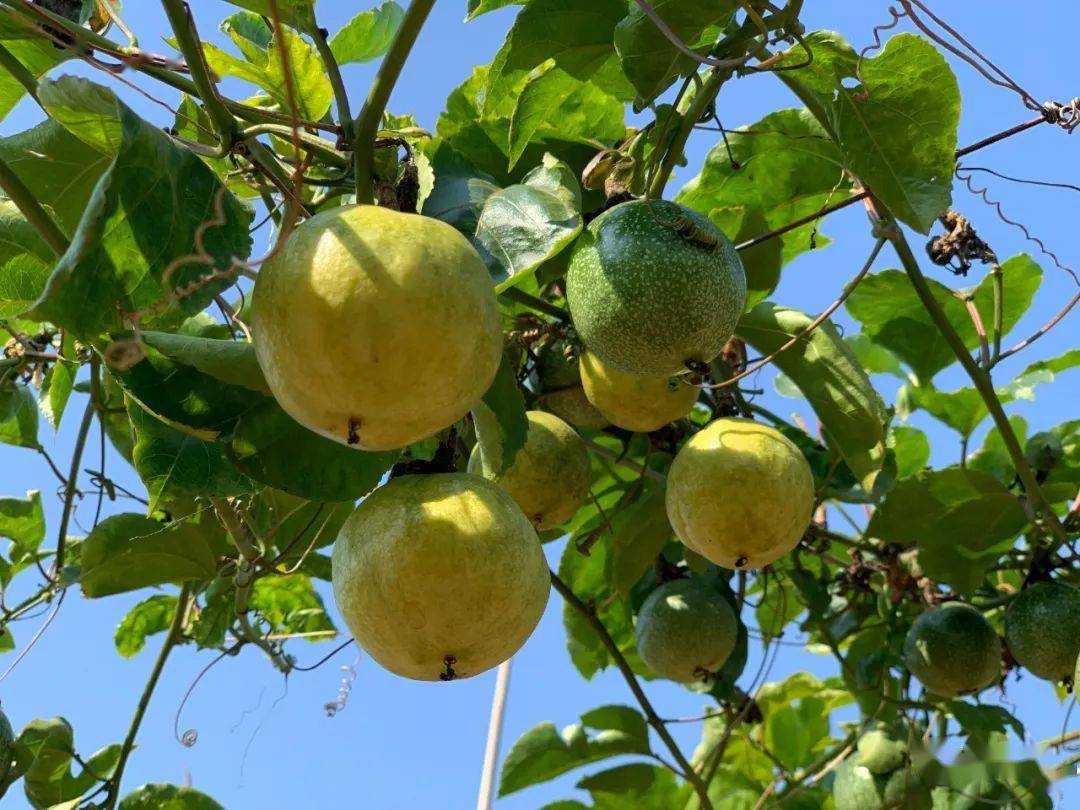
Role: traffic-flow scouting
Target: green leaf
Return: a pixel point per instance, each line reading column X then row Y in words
column 230, row 361
column 129, row 551
column 270, row 447
column 852, row 414
column 500, row 420
column 22, row 521
column 876, row 359
column 312, row 92
column 34, row 52
column 367, row 35
column 87, row 110
column 782, row 167
column 460, row 189
column 961, row 520
column 578, row 37
column 541, row 754
column 59, row 383
column 525, row 225
column 985, row 719
column 122, row 250
column 554, row 101
column 291, row 605
column 21, row 425
column 796, row 713
column 60, row 170
column 893, row 316
column 638, row 534
column 635, row 787
column 149, row 617
column 174, row 464
column 993, row 457
column 762, row 262
column 297, row 13
column 45, row 747
column 908, row 96
column 911, row 448
column 168, row 797
column 478, row 7
column 649, row 59
column 25, row 261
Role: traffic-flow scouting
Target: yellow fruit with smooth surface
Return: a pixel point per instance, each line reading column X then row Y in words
column 376, row 328
column 439, row 576
column 633, row 402
column 740, row 494
column 549, row 477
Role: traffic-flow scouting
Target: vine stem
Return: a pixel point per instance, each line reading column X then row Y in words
column 171, row 638
column 19, row 72
column 491, row 750
column 980, row 377
column 705, row 96
column 73, row 472
column 34, row 212
column 366, row 126
column 686, row 769
column 333, row 71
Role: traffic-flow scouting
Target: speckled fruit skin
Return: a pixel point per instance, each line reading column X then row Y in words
column 953, row 650
column 647, row 299
column 7, row 737
column 633, row 402
column 740, row 494
column 857, row 788
column 881, row 752
column 685, row 630
column 1042, row 629
column 561, row 391
column 550, row 476
column 432, row 567
column 376, row 328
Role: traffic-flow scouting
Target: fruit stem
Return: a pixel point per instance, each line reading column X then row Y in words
column 171, row 638
column 705, row 96
column 686, row 769
column 366, row 126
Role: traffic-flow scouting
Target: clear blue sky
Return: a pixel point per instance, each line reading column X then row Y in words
column 401, row 744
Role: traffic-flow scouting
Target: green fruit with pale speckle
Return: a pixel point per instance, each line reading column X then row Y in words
column 653, row 287
column 7, row 739
column 1042, row 629
column 686, row 630
column 740, row 494
column 881, row 752
column 953, row 650
column 439, row 576
column 550, row 475
column 856, row 787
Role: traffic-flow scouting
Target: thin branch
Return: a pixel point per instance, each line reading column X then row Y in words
column 73, row 475
column 629, row 463
column 651, row 716
column 682, row 47
column 333, row 71
column 1023, row 344
column 35, row 213
column 19, row 72
column 535, row 302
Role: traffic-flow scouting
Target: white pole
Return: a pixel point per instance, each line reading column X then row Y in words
column 491, row 752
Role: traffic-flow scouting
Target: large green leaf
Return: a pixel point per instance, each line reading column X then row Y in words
column 648, row 57
column 297, row 13
column 123, row 249
column 478, row 7
column 500, row 420
column 898, row 128
column 762, row 263
column 853, row 416
column 542, row 753
column 22, row 521
column 961, row 520
column 149, row 617
column 367, row 35
column 796, row 713
column 270, row 447
column 25, row 261
column 129, row 551
column 168, row 797
column 291, row 605
column 33, row 51
column 893, row 316
column 460, row 189
column 44, row 752
column 525, row 225
column 230, row 361
column 782, row 167
column 634, row 787
column 638, row 533
column 20, row 427
column 174, row 464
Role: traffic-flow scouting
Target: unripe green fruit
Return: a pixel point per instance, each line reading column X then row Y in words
column 953, row 650
column 561, row 390
column 1043, row 451
column 856, row 787
column 1076, row 676
column 550, row 475
column 376, row 328
column 1042, row 629
column 653, row 286
column 686, row 630
column 740, row 494
column 881, row 752
column 439, row 576
column 7, row 740
column 633, row 402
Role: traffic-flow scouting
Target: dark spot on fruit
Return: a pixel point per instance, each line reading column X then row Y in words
column 741, row 562
column 448, row 673
column 354, row 431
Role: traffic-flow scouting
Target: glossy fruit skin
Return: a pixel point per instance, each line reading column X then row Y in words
column 376, row 328
column 685, row 630
column 437, row 567
column 549, row 477
column 881, row 752
column 953, row 650
column 740, row 494
column 561, row 392
column 633, row 402
column 1042, row 629
column 647, row 298
column 856, row 787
